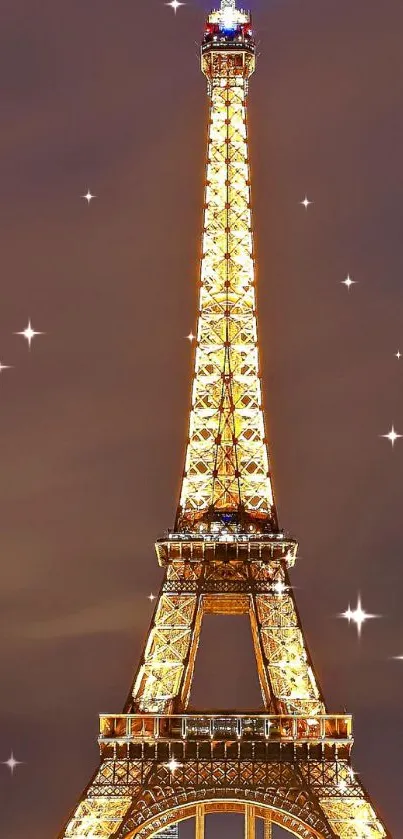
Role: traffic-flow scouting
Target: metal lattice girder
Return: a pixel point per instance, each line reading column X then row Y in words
column 97, row 817
column 286, row 675
column 104, row 805
column 161, row 673
column 226, row 460
column 352, row 818
column 323, row 794
column 290, row 673
column 159, row 763
column 282, row 786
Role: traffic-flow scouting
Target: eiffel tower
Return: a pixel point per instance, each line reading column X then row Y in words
column 160, row 763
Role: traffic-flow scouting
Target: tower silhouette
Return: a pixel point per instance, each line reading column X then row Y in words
column 289, row 764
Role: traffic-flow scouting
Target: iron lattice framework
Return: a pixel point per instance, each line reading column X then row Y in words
column 290, row 765
column 227, row 464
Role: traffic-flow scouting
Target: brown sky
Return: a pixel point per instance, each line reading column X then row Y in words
column 108, row 95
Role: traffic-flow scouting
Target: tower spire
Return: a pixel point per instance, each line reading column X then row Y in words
column 228, row 13
column 227, row 477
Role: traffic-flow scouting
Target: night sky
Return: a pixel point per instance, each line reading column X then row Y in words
column 109, row 96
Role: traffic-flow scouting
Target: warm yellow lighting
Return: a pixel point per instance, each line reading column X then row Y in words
column 279, row 587
column 173, row 765
column 227, row 461
column 226, row 471
column 353, row 818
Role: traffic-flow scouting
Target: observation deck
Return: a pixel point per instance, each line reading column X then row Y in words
column 220, row 736
column 228, row 42
column 238, row 37
column 226, row 547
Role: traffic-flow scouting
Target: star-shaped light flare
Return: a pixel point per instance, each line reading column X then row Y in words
column 88, row 196
column 12, row 763
column 173, row 765
column 348, row 282
column 398, row 354
column 279, row 587
column 4, row 367
column 174, row 4
column 342, row 786
column 191, row 337
column 391, row 436
column 306, row 202
column 357, row 615
column 151, row 597
column 29, row 333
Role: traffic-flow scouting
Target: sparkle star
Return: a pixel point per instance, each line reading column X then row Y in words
column 279, row 587
column 173, row 765
column 391, row 436
column 88, row 196
column 174, row 5
column 191, row 337
column 348, row 282
column 306, row 202
column 151, row 597
column 4, row 367
column 29, row 333
column 357, row 615
column 12, row 763
column 398, row 354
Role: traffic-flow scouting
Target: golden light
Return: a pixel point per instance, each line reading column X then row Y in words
column 173, row 765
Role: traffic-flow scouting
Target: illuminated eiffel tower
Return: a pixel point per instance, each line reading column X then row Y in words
column 160, row 763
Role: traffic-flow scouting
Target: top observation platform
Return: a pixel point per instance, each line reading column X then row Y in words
column 228, row 42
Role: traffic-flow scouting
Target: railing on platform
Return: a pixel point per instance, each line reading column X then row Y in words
column 137, row 728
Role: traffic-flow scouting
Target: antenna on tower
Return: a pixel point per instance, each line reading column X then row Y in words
column 228, row 13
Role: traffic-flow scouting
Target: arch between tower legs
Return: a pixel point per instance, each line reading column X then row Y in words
column 225, row 805
column 290, row 805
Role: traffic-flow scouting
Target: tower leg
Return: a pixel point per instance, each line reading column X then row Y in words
column 250, row 824
column 268, row 831
column 200, row 822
